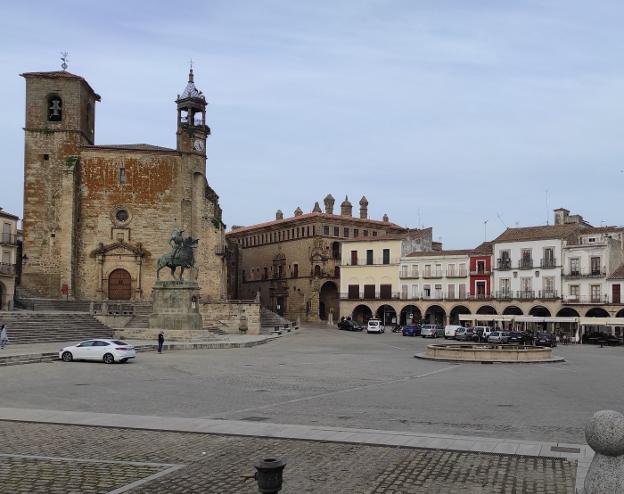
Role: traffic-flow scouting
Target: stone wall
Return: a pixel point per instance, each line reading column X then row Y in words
column 226, row 316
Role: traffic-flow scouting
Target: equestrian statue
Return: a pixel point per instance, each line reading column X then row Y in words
column 181, row 255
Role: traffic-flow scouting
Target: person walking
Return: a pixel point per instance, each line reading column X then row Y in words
column 4, row 339
column 161, row 341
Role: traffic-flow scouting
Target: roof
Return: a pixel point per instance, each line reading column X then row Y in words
column 483, row 249
column 543, row 232
column 321, row 216
column 131, row 147
column 190, row 91
column 390, row 236
column 618, row 274
column 440, row 253
column 4, row 214
column 60, row 74
column 603, row 229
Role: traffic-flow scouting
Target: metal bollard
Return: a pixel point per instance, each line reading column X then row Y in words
column 269, row 475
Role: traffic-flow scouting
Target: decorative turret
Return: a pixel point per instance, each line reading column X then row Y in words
column 329, row 204
column 279, row 215
column 346, row 208
column 385, row 218
column 298, row 211
column 316, row 208
column 192, row 129
column 363, row 208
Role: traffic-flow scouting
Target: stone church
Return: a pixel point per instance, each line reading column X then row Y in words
column 97, row 217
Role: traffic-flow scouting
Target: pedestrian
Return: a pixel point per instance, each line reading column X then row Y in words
column 4, row 339
column 161, row 341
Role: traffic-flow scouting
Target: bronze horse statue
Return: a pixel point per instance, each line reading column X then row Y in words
column 181, row 256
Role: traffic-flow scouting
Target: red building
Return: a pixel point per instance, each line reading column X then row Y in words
column 481, row 271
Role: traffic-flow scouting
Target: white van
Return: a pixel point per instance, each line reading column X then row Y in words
column 374, row 326
column 449, row 331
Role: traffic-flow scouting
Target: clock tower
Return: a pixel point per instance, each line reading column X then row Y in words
column 192, row 129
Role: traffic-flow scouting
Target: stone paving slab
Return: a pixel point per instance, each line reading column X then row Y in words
column 182, row 462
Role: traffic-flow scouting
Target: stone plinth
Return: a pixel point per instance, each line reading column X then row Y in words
column 176, row 306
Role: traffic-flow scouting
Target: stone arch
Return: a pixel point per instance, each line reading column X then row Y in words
column 597, row 312
column 55, row 108
column 119, row 285
column 455, row 312
column 414, row 311
column 512, row 310
column 567, row 312
column 328, row 300
column 539, row 311
column 362, row 313
column 620, row 313
column 386, row 314
column 486, row 309
column 435, row 314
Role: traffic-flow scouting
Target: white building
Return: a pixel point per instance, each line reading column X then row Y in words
column 8, row 260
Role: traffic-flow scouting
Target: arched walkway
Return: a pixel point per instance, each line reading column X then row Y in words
column 620, row 313
column 387, row 315
column 455, row 312
column 512, row 310
column 597, row 312
column 328, row 301
column 409, row 314
column 362, row 314
column 435, row 315
column 567, row 312
column 119, row 285
column 486, row 309
column 539, row 311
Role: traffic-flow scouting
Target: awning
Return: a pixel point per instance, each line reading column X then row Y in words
column 601, row 321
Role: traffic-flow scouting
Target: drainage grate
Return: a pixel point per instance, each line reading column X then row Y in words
column 563, row 449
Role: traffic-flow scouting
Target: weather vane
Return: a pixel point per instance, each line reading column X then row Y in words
column 64, row 59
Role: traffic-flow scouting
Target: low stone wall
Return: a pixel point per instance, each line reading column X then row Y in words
column 490, row 353
column 227, row 316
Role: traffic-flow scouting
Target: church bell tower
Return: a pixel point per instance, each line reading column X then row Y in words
column 192, row 130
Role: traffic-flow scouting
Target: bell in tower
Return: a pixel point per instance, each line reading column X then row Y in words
column 192, row 129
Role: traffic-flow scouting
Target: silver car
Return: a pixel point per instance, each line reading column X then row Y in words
column 431, row 331
column 498, row 337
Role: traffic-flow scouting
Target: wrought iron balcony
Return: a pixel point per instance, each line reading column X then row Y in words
column 548, row 263
column 503, row 264
column 8, row 239
column 526, row 263
column 572, row 275
column 480, row 272
column 432, row 274
column 504, row 295
column 456, row 273
column 525, row 295
column 586, row 299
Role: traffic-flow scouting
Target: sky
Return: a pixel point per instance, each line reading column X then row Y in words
column 444, row 113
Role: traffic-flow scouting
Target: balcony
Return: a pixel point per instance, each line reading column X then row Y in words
column 7, row 269
column 586, row 299
column 481, row 296
column 407, row 276
column 525, row 295
column 503, row 264
column 432, row 274
column 548, row 263
column 456, row 273
column 480, row 272
column 526, row 263
column 8, row 239
column 576, row 275
column 504, row 295
column 376, row 296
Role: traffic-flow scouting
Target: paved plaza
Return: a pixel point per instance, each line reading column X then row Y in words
column 320, row 378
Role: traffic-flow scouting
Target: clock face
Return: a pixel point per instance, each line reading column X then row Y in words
column 198, row 145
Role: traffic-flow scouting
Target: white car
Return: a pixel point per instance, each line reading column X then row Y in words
column 108, row 351
column 374, row 326
column 450, row 330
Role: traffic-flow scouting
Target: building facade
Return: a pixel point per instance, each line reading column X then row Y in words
column 97, row 217
column 481, row 271
column 294, row 263
column 9, row 243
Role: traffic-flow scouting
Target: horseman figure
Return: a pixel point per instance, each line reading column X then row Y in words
column 181, row 255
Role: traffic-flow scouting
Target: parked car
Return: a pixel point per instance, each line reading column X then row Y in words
column 411, row 330
column 601, row 339
column 518, row 337
column 450, row 330
column 431, row 331
column 545, row 339
column 108, row 351
column 498, row 337
column 349, row 325
column 374, row 326
column 483, row 331
column 465, row 334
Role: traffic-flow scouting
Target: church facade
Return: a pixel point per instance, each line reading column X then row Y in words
column 97, row 217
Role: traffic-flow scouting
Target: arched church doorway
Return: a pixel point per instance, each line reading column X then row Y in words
column 328, row 300
column 119, row 285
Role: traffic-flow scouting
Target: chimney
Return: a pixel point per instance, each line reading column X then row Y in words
column 385, row 218
column 329, row 204
column 561, row 216
column 279, row 215
column 317, row 208
column 298, row 211
column 346, row 208
column 363, row 208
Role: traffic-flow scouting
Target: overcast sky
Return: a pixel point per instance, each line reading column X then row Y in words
column 444, row 113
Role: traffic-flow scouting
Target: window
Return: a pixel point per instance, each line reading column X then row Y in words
column 356, row 232
column 438, row 291
column 575, row 291
column 414, row 291
column 548, row 285
column 575, row 266
column 480, row 267
column 336, row 231
column 122, row 175
column 369, row 291
column 404, row 291
column 451, row 291
column 385, row 292
column 295, row 270
column 374, row 234
column 369, row 257
column 504, row 285
column 595, row 266
column 438, row 270
column 55, row 108
column 365, row 233
column 354, row 292
column 346, row 232
column 325, row 229
column 595, row 293
column 462, row 269
column 336, row 271
column 549, row 257
column 427, row 271
column 386, row 256
column 265, row 274
column 591, row 240
column 317, row 271
column 450, row 270
column 354, row 259
column 462, row 289
column 526, row 284
column 427, row 291
column 404, row 271
column 414, row 270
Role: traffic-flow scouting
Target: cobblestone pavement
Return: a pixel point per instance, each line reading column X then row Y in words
column 223, row 464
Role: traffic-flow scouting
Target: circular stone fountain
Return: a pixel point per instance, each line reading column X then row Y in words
column 484, row 352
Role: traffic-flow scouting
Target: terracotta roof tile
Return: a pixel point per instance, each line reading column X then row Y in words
column 130, row 147
column 618, row 274
column 440, row 253
column 543, row 232
column 483, row 249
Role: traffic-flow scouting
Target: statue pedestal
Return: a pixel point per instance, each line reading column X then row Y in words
column 176, row 306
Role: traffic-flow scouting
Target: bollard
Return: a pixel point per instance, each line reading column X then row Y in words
column 269, row 475
column 605, row 434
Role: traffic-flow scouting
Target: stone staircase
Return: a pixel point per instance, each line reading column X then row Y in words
column 52, row 305
column 44, row 327
column 269, row 320
column 140, row 319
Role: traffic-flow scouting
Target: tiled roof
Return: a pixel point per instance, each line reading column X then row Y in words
column 4, row 214
column 60, row 74
column 543, row 232
column 131, row 147
column 603, row 229
column 618, row 274
column 484, row 249
column 440, row 253
column 390, row 236
column 322, row 216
